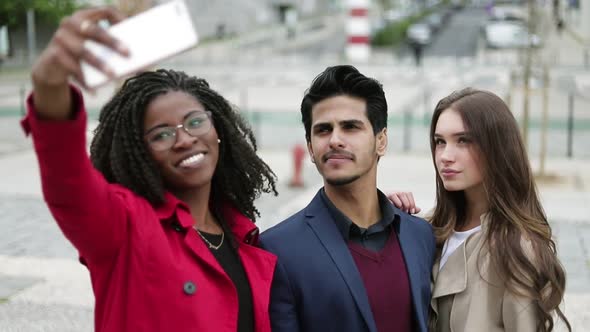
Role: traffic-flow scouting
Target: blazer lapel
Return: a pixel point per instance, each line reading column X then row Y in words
column 413, row 262
column 320, row 221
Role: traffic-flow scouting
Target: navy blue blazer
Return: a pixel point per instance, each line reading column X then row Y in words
column 316, row 284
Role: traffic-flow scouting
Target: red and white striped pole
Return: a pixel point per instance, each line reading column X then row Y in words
column 357, row 28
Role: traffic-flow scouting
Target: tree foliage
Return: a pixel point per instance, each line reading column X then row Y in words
column 13, row 13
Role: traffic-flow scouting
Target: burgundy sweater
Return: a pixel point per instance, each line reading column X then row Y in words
column 385, row 278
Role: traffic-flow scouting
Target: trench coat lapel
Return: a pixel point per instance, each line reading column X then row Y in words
column 407, row 241
column 452, row 278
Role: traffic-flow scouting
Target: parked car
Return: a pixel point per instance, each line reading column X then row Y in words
column 419, row 33
column 508, row 12
column 396, row 15
column 509, row 34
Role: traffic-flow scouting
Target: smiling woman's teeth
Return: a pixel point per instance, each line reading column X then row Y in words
column 191, row 160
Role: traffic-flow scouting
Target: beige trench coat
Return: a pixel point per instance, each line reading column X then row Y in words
column 465, row 300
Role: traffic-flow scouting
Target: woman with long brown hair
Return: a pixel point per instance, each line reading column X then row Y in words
column 497, row 267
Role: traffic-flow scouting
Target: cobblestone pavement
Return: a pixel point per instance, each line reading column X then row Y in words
column 33, row 317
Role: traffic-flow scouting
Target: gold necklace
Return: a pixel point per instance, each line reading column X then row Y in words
column 207, row 241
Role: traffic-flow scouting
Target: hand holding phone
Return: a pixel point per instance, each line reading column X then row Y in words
column 61, row 60
column 151, row 36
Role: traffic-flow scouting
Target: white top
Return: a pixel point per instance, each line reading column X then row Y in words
column 453, row 242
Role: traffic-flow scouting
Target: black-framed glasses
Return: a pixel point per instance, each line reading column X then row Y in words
column 195, row 124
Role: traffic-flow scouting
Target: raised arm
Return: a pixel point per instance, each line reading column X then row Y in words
column 61, row 60
column 86, row 207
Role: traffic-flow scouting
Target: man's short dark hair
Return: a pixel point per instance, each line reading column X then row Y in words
column 346, row 80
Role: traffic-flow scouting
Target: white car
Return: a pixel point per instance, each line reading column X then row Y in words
column 509, row 34
column 420, row 33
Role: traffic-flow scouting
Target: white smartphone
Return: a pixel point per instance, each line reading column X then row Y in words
column 151, row 36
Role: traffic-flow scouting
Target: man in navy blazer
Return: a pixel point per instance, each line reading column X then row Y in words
column 350, row 260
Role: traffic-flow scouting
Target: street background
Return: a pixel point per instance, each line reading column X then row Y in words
column 264, row 70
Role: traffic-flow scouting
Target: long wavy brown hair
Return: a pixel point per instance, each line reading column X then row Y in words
column 515, row 212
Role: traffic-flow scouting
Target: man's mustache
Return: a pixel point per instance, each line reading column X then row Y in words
column 337, row 153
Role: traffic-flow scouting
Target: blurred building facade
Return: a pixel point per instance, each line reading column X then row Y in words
column 231, row 17
column 212, row 19
column 577, row 12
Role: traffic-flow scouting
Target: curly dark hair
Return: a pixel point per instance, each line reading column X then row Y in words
column 119, row 151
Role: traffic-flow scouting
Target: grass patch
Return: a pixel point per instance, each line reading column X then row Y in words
column 392, row 34
column 395, row 32
column 3, row 300
column 14, row 70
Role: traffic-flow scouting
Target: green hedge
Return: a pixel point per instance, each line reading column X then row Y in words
column 391, row 34
column 395, row 32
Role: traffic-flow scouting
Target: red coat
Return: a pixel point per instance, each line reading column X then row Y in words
column 150, row 271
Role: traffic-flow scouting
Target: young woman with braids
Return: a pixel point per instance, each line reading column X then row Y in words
column 161, row 211
column 497, row 267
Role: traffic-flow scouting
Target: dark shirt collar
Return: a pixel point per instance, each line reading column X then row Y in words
column 389, row 217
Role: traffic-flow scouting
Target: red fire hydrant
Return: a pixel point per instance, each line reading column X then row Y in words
column 298, row 156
